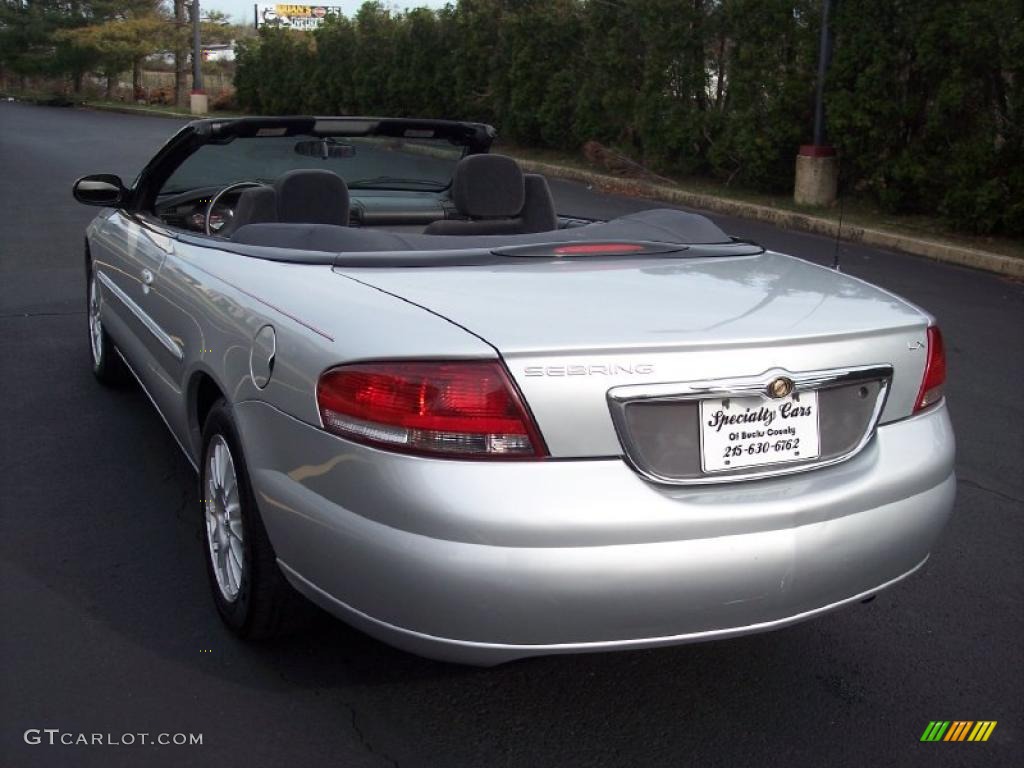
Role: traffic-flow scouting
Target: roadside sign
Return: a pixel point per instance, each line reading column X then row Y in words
column 290, row 16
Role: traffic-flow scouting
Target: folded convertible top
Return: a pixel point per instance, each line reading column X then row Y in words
column 659, row 225
column 659, row 232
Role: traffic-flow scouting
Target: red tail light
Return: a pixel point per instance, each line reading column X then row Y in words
column 463, row 409
column 584, row 249
column 934, row 379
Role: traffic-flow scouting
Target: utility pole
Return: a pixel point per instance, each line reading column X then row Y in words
column 817, row 167
column 198, row 101
column 180, row 53
column 824, row 57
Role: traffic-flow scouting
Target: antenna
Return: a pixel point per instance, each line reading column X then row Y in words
column 839, row 230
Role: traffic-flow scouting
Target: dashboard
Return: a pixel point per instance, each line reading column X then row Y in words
column 188, row 210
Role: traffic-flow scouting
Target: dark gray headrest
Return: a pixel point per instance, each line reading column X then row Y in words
column 539, row 209
column 255, row 204
column 312, row 197
column 488, row 186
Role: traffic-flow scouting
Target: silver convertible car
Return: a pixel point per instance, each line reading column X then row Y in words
column 479, row 431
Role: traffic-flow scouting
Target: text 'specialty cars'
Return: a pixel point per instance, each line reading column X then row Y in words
column 481, row 431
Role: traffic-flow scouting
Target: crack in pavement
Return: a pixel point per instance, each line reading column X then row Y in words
column 993, row 491
column 364, row 741
column 42, row 314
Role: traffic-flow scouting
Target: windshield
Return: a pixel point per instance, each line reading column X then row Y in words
column 375, row 162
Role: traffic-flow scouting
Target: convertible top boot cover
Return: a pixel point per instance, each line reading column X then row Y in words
column 658, row 225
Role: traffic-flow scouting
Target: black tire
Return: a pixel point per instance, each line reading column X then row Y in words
column 107, row 365
column 265, row 604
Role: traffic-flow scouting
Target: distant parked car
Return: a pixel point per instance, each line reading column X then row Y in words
column 480, row 431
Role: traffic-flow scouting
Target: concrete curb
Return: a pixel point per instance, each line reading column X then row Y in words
column 879, row 238
column 129, row 110
column 932, row 249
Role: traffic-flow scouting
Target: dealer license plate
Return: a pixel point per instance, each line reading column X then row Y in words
column 738, row 432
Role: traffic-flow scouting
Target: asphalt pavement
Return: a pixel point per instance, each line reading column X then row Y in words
column 108, row 626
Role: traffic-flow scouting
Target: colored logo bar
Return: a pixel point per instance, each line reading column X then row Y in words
column 958, row 730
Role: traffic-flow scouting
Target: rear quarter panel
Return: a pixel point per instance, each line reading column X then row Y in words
column 220, row 301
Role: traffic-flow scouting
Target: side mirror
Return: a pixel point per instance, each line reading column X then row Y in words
column 102, row 189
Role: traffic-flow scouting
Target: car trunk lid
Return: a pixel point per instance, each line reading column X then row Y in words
column 574, row 330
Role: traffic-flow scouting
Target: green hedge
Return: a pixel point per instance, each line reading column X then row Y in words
column 925, row 97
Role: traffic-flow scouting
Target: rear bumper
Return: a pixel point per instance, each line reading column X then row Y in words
column 490, row 654
column 486, row 562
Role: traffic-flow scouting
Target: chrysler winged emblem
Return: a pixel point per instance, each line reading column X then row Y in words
column 780, row 387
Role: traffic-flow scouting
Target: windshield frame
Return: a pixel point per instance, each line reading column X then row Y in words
column 475, row 138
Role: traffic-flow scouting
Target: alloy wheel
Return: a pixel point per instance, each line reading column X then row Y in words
column 223, row 513
column 95, row 325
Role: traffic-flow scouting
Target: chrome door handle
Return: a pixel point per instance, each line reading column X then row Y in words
column 147, row 277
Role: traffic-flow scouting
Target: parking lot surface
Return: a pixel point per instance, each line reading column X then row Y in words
column 108, row 626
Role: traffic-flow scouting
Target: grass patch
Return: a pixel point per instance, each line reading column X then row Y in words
column 158, row 109
column 43, row 98
column 57, row 99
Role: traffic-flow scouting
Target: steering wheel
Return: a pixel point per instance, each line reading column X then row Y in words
column 216, row 199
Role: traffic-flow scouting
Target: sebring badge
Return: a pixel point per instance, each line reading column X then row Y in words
column 780, row 387
column 610, row 369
